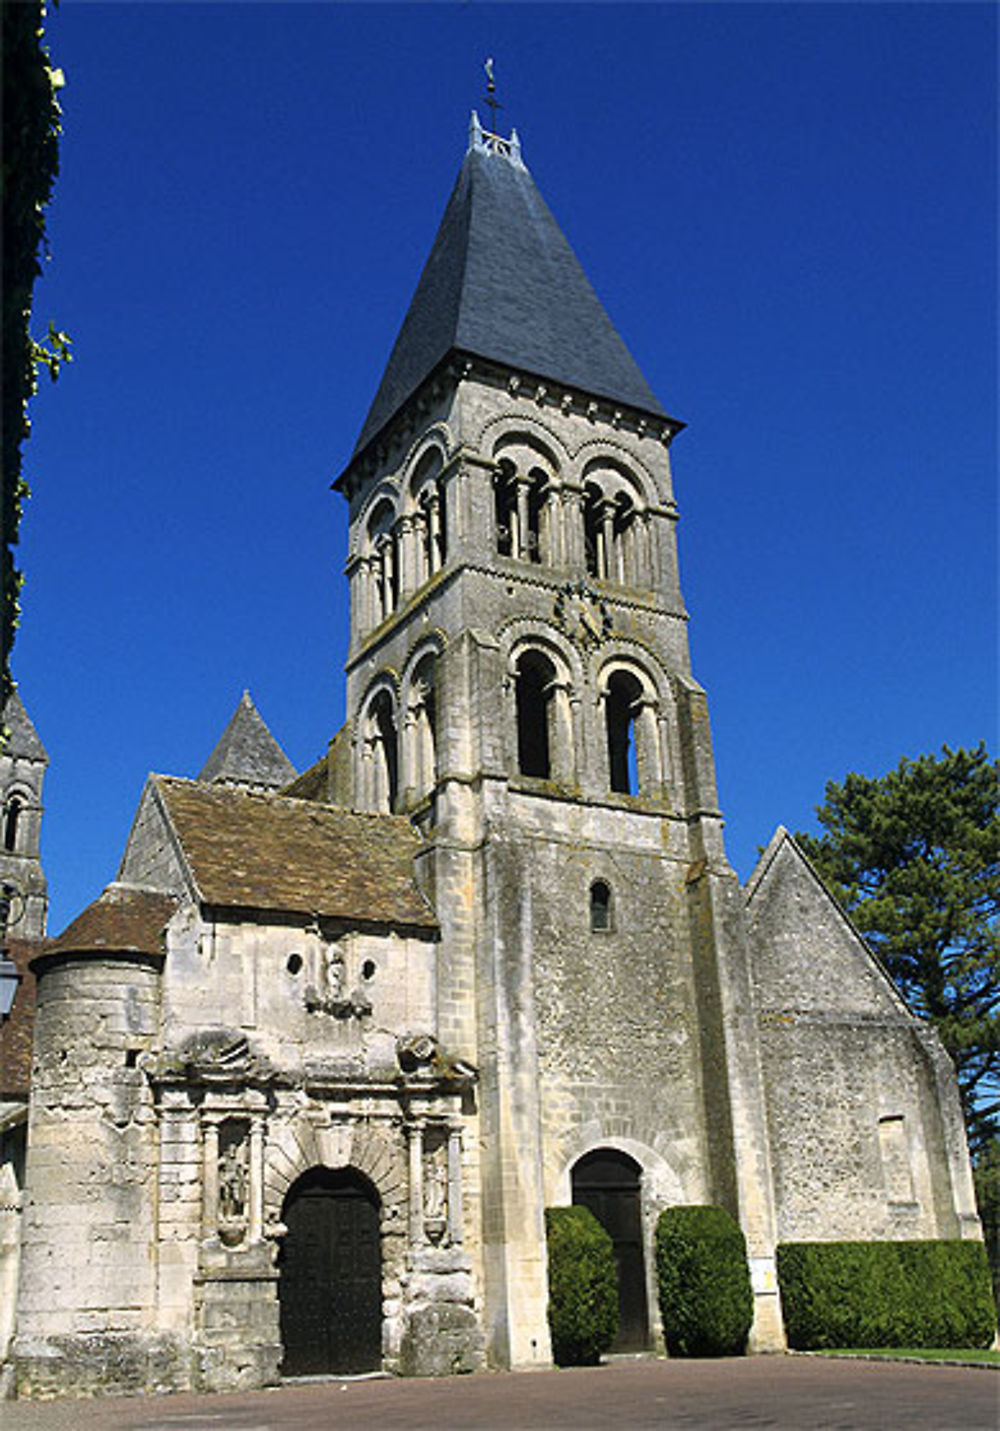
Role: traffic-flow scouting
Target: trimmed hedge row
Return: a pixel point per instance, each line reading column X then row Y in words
column 583, row 1286
column 881, row 1294
column 704, row 1283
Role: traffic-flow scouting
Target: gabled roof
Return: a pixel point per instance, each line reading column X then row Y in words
column 255, row 850
column 247, row 753
column 804, row 891
column 502, row 283
column 22, row 738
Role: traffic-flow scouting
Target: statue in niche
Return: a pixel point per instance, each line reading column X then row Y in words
column 335, row 976
column 234, row 1182
column 333, row 997
column 436, row 1193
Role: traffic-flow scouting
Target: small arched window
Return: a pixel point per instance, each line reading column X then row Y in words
column 621, row 704
column 600, row 907
column 385, row 752
column 429, row 519
column 384, row 559
column 535, row 690
column 421, row 727
column 11, row 820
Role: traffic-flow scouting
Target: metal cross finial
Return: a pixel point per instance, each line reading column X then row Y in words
column 491, row 95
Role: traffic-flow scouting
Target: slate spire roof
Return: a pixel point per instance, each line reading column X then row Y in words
column 502, row 283
column 247, row 753
column 22, row 737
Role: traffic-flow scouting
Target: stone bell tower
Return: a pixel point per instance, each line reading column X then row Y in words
column 23, row 763
column 518, row 682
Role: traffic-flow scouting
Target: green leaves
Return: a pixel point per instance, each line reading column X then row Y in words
column 31, row 127
column 884, row 1294
column 583, row 1286
column 914, row 857
column 703, row 1280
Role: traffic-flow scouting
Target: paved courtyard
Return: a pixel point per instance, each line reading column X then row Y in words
column 788, row 1392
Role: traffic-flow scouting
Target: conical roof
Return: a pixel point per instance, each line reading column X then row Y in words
column 502, row 283
column 247, row 753
column 22, row 737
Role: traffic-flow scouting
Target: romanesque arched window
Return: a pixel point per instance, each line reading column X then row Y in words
column 614, row 531
column 621, row 707
column 623, row 538
column 421, row 727
column 525, row 508
column 383, row 753
column 383, row 561
column 600, row 907
column 545, row 741
column 11, row 820
column 637, row 756
column 535, row 677
column 427, row 527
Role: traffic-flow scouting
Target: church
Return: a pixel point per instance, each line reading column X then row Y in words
column 307, row 1074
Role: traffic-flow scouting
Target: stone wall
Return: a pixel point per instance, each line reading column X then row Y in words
column 86, row 1314
column 865, row 1130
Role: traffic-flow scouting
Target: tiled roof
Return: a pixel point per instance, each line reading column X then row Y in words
column 256, row 850
column 123, row 918
column 247, row 753
column 502, row 283
column 22, row 736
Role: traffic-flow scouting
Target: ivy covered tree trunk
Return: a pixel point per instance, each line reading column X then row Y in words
column 914, row 857
column 30, row 166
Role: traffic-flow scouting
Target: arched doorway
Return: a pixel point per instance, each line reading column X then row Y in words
column 330, row 1275
column 608, row 1184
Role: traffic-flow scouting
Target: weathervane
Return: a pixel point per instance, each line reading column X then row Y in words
column 491, row 95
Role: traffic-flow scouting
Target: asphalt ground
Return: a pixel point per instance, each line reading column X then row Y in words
column 787, row 1392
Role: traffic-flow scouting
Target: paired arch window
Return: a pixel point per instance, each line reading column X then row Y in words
column 402, row 549
column 521, row 513
column 397, row 748
column 612, row 546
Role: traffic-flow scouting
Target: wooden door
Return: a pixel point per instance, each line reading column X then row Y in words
column 606, row 1182
column 330, row 1287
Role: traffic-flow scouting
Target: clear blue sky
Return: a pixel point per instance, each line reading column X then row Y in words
column 790, row 214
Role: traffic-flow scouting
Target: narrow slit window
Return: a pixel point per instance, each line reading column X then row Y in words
column 12, row 818
column 600, row 907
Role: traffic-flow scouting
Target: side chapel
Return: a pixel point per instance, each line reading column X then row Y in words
column 308, row 1072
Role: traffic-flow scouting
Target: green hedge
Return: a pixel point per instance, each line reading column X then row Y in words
column 883, row 1294
column 704, row 1283
column 583, row 1286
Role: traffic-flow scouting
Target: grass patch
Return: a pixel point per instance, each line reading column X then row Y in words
column 983, row 1354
